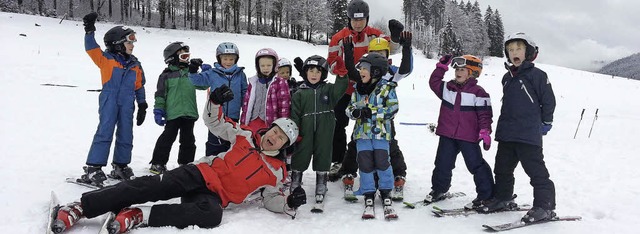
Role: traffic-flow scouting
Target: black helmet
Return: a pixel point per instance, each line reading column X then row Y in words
column 169, row 52
column 378, row 64
column 114, row 38
column 358, row 9
column 532, row 49
column 315, row 61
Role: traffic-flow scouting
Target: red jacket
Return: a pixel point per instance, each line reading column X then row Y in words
column 360, row 46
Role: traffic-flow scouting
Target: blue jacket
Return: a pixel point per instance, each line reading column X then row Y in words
column 527, row 102
column 233, row 77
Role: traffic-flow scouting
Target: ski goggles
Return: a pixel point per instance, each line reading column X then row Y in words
column 184, row 56
column 463, row 62
column 130, row 38
column 363, row 65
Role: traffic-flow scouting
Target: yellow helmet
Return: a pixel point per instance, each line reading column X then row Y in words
column 378, row 44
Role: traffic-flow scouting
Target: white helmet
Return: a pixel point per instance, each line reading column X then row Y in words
column 532, row 49
column 283, row 62
column 288, row 127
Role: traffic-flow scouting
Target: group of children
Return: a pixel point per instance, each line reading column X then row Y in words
column 273, row 94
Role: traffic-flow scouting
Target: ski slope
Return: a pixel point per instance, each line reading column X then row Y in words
column 45, row 134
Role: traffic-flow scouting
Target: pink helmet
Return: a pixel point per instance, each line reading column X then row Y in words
column 267, row 52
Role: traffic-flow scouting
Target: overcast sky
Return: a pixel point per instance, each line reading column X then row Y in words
column 570, row 33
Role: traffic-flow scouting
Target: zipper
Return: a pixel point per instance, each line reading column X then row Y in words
column 243, row 158
column 526, row 91
column 254, row 172
column 315, row 108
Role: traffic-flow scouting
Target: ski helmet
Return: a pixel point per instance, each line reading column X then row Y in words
column 378, row 64
column 288, row 127
column 284, row 62
column 358, row 9
column 114, row 38
column 267, row 52
column 532, row 49
column 316, row 61
column 378, row 44
column 227, row 48
column 473, row 63
column 169, row 53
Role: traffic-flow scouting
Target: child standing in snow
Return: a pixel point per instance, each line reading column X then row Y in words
column 465, row 119
column 373, row 105
column 312, row 110
column 225, row 71
column 285, row 72
column 526, row 115
column 175, row 106
column 267, row 98
column 122, row 85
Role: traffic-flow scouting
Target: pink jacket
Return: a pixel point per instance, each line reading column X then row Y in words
column 278, row 102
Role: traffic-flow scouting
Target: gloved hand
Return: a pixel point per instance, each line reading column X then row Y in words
column 545, row 128
column 339, row 68
column 194, row 64
column 444, row 62
column 395, row 27
column 205, row 67
column 298, row 63
column 160, row 116
column 142, row 112
column 89, row 22
column 297, row 198
column 405, row 39
column 221, row 95
column 485, row 136
column 364, row 113
column 347, row 44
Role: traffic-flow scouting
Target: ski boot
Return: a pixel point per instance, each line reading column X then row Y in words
column 495, row 204
column 348, row 181
column 369, row 210
column 538, row 214
column 121, row 172
column 398, row 188
column 434, row 196
column 321, row 190
column 157, row 169
column 66, row 217
column 389, row 212
column 296, row 180
column 93, row 175
column 127, row 219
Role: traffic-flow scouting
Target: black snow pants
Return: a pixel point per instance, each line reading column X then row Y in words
column 187, row 148
column 340, row 133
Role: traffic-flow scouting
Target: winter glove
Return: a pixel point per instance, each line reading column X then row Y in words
column 545, row 128
column 194, row 64
column 298, row 64
column 205, row 67
column 347, row 44
column 339, row 68
column 221, row 95
column 395, row 27
column 405, row 39
column 364, row 113
column 89, row 22
column 485, row 136
column 444, row 62
column 297, row 198
column 160, row 116
column 142, row 112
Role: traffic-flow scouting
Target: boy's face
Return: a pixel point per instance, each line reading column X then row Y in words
column 274, row 139
column 380, row 52
column 358, row 24
column 516, row 51
column 284, row 72
column 462, row 75
column 128, row 45
column 314, row 75
column 266, row 65
column 365, row 75
column 227, row 60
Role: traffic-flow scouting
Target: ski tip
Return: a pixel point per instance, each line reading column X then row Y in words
column 409, row 205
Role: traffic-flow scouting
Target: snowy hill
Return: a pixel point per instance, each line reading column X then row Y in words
column 624, row 67
column 46, row 133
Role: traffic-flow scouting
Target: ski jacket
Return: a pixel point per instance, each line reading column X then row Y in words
column 464, row 110
column 244, row 169
column 360, row 46
column 278, row 101
column 234, row 78
column 175, row 94
column 528, row 101
column 383, row 103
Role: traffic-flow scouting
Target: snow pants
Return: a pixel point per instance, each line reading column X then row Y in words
column 113, row 113
column 532, row 159
column 340, row 133
column 373, row 156
column 187, row 150
column 199, row 206
column 448, row 150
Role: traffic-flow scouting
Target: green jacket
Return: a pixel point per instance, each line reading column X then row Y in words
column 313, row 108
column 175, row 94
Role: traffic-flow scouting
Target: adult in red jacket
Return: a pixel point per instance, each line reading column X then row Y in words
column 360, row 34
column 206, row 186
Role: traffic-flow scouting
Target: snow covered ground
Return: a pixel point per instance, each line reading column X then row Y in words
column 46, row 133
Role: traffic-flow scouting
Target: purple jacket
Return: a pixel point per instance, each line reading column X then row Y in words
column 464, row 110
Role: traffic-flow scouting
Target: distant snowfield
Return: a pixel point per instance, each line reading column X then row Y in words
column 46, row 133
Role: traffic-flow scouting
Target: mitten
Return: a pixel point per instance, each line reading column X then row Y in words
column 485, row 136
column 89, row 22
column 545, row 128
column 142, row 112
column 194, row 65
column 160, row 116
column 339, row 68
column 395, row 27
column 297, row 198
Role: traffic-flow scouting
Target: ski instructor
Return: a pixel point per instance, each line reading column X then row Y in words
column 205, row 186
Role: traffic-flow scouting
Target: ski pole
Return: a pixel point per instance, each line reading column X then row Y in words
column 595, row 117
column 582, row 114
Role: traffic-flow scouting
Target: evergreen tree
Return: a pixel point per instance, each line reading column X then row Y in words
column 338, row 14
column 499, row 34
column 450, row 43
